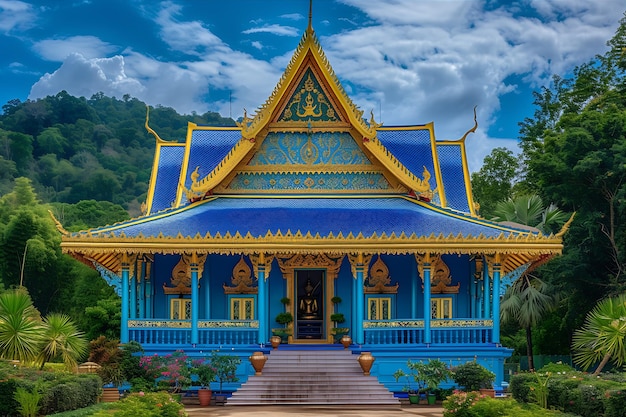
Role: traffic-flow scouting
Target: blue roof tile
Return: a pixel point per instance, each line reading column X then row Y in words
column 315, row 215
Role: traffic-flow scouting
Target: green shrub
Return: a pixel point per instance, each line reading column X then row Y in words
column 149, row 404
column 472, row 376
column 28, row 401
column 615, row 403
column 8, row 404
column 519, row 386
column 70, row 393
column 557, row 368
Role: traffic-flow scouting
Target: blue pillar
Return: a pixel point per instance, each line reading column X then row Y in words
column 149, row 310
column 206, row 287
column 414, row 291
column 472, row 294
column 124, row 324
column 142, row 289
column 486, row 291
column 427, row 312
column 354, row 308
column 263, row 304
column 496, row 301
column 133, row 294
column 195, row 335
column 360, row 301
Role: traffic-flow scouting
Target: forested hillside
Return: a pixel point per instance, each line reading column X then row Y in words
column 77, row 149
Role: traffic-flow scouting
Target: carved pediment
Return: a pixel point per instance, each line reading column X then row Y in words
column 181, row 275
column 241, row 280
column 440, row 279
column 379, row 281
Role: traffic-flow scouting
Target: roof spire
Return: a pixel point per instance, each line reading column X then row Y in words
column 310, row 15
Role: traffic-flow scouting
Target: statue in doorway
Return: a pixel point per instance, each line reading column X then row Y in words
column 308, row 307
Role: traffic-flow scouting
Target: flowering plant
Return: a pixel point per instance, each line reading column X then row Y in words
column 171, row 371
column 204, row 371
column 459, row 403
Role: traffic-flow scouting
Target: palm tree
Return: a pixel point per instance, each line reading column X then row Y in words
column 21, row 329
column 525, row 303
column 62, row 339
column 529, row 298
column 602, row 336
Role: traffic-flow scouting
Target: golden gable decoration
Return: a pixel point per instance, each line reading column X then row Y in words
column 440, row 279
column 241, row 280
column 379, row 281
column 181, row 275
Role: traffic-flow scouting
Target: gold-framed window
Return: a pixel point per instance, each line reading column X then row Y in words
column 441, row 308
column 242, row 308
column 379, row 308
column 180, row 309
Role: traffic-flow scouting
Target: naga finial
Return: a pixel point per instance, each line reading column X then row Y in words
column 473, row 129
column 148, row 128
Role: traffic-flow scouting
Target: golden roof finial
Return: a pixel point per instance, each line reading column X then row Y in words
column 472, row 130
column 148, row 128
column 566, row 226
column 58, row 224
column 310, row 27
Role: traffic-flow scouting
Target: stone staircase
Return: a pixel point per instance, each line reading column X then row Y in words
column 312, row 377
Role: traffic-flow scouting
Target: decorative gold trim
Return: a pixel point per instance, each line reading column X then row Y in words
column 266, row 260
column 393, row 324
column 186, row 324
column 436, row 323
column 440, row 279
column 354, row 258
column 181, row 274
column 380, row 281
column 241, row 280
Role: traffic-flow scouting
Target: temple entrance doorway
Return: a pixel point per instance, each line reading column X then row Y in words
column 310, row 307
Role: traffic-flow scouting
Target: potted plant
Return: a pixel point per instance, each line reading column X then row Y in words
column 474, row 377
column 283, row 318
column 340, row 333
column 205, row 373
column 426, row 377
column 225, row 368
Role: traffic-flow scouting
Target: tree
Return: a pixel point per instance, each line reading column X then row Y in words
column 21, row 330
column 494, row 181
column 529, row 298
column 575, row 152
column 602, row 337
column 61, row 338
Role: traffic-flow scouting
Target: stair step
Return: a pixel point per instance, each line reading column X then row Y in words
column 292, row 377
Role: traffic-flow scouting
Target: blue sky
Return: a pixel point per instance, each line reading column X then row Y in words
column 411, row 61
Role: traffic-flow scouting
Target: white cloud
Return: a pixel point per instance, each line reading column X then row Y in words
column 59, row 49
column 16, row 15
column 80, row 76
column 292, row 16
column 275, row 30
column 188, row 37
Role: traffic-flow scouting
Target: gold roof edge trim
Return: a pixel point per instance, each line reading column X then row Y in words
column 280, row 243
column 390, row 162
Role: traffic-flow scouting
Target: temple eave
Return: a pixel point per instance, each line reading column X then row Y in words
column 299, row 245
